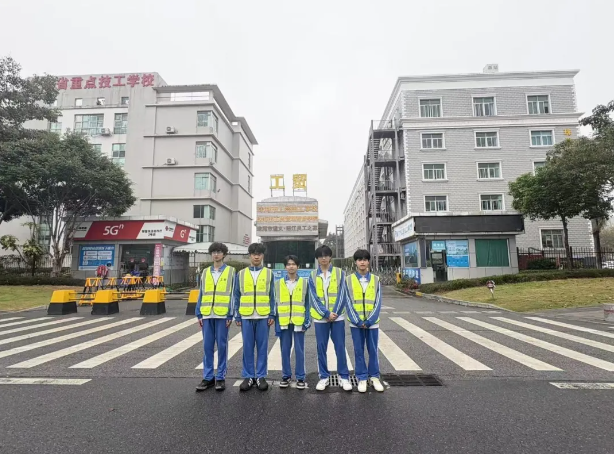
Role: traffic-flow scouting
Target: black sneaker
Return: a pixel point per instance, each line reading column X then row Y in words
column 262, row 384
column 247, row 384
column 284, row 383
column 205, row 384
column 220, row 385
column 300, row 384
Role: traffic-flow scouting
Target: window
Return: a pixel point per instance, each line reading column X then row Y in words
column 205, row 181
column 190, row 96
column 204, row 212
column 97, row 147
column 249, row 161
column 434, row 171
column 491, row 202
column 436, row 203
column 55, row 127
column 100, row 101
column 487, row 139
column 207, row 118
column 44, row 235
column 121, row 123
column 489, row 170
column 125, row 101
column 249, row 184
column 118, row 154
column 538, row 105
column 89, row 124
column 484, row 107
column 492, row 253
column 410, row 253
column 430, row 108
column 538, row 165
column 205, row 234
column 432, row 140
column 541, row 138
column 553, row 239
column 78, row 102
column 206, row 150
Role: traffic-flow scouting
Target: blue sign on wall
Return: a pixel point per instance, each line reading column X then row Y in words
column 438, row 246
column 412, row 273
column 278, row 274
column 91, row 256
column 457, row 253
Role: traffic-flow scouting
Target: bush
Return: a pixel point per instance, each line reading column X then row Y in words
column 541, row 264
column 440, row 287
column 12, row 279
column 238, row 266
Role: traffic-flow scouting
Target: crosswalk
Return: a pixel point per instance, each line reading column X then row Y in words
column 476, row 343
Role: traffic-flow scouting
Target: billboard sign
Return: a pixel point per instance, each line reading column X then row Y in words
column 134, row 230
column 404, row 230
column 287, row 218
column 91, row 256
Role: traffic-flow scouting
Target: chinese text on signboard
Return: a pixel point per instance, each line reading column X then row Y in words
column 287, row 218
column 105, row 81
column 299, row 182
column 277, row 182
column 90, row 257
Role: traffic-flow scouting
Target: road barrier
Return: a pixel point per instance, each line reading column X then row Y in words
column 106, row 302
column 154, row 302
column 63, row 302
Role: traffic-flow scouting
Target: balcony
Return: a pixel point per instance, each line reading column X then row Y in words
column 385, row 186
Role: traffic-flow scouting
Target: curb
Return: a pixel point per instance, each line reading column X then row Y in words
column 44, row 306
column 443, row 299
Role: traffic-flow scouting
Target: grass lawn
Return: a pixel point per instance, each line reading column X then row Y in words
column 16, row 297
column 532, row 296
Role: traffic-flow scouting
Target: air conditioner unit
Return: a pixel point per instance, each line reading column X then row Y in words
column 171, row 161
column 105, row 132
column 171, row 130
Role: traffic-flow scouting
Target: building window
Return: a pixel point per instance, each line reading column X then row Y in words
column 491, row 202
column 118, row 154
column 487, row 139
column 430, row 108
column 125, row 101
column 249, row 184
column 436, row 203
column 205, row 234
column 249, row 161
column 44, row 235
column 204, row 212
column 552, row 239
column 484, row 107
column 434, row 171
column 489, row 170
column 100, row 101
column 97, row 147
column 191, row 96
column 206, row 150
column 541, row 138
column 538, row 165
column 538, row 105
column 55, row 127
column 89, row 124
column 78, row 102
column 432, row 140
column 121, row 123
column 491, row 253
column 205, row 181
column 208, row 118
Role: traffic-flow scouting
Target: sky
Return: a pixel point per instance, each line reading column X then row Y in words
column 309, row 77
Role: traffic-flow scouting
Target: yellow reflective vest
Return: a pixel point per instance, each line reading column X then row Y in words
column 216, row 296
column 290, row 306
column 363, row 302
column 255, row 296
column 334, row 287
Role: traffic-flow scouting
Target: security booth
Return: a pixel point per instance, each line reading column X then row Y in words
column 140, row 245
column 444, row 248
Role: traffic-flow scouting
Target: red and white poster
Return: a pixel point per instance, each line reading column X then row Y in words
column 134, row 230
column 157, row 259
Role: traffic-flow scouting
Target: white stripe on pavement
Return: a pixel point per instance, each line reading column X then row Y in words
column 578, row 385
column 574, row 327
column 55, row 340
column 332, row 357
column 27, row 328
column 572, row 354
column 464, row 361
column 274, row 361
column 30, row 320
column 559, row 334
column 510, row 353
column 117, row 352
column 44, row 381
column 394, row 355
column 169, row 353
column 2, row 320
column 21, row 337
column 234, row 345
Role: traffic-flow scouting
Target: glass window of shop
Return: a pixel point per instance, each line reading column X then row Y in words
column 276, row 251
column 410, row 254
column 132, row 258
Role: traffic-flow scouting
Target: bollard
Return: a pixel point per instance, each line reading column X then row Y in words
column 153, row 302
column 192, row 300
column 105, row 302
column 608, row 312
column 62, row 302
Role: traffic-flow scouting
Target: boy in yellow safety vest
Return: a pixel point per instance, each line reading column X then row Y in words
column 293, row 320
column 365, row 294
column 214, row 311
column 254, row 306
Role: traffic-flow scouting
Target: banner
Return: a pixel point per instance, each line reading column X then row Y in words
column 90, row 257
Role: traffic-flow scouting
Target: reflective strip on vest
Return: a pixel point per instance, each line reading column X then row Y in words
column 332, row 290
column 290, row 309
column 255, row 297
column 363, row 302
column 216, row 296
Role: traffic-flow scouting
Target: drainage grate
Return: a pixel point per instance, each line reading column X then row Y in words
column 335, row 380
column 411, row 380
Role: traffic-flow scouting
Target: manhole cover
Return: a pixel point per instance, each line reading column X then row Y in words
column 411, row 380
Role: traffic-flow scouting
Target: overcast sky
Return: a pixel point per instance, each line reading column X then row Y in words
column 309, row 78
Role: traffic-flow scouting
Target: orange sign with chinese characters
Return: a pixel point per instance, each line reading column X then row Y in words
column 277, row 182
column 299, row 182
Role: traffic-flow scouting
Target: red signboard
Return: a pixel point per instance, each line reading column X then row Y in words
column 120, row 80
column 181, row 233
column 134, row 230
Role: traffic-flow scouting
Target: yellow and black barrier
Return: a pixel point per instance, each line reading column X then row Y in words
column 62, row 302
column 105, row 302
column 192, row 301
column 153, row 302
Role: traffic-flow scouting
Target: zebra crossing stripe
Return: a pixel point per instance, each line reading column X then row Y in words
column 574, row 327
column 572, row 354
column 570, row 337
column 169, row 353
column 510, row 353
column 234, row 345
column 55, row 340
column 9, row 319
column 27, row 328
column 44, row 381
column 394, row 355
column 464, row 361
column 331, row 357
column 85, row 345
column 274, row 360
column 23, row 322
column 9, row 340
column 116, row 353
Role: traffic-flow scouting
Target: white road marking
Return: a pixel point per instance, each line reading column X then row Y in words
column 9, row 340
column 383, row 312
column 169, row 353
column 397, row 357
column 447, row 312
column 2, row 320
column 274, row 361
column 55, row 340
column 574, row 327
column 512, row 354
column 470, row 312
column 30, row 320
column 238, row 383
column 44, row 381
column 569, row 385
column 234, row 345
column 572, row 354
column 424, row 312
column 332, row 357
column 454, row 355
column 117, row 352
column 386, row 308
column 27, row 328
column 85, row 345
column 402, row 312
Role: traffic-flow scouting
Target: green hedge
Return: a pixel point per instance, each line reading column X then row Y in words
column 11, row 279
column 440, row 287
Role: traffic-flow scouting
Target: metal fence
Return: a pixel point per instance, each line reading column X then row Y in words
column 15, row 265
column 580, row 257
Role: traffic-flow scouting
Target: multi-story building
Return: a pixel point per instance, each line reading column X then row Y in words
column 354, row 225
column 184, row 149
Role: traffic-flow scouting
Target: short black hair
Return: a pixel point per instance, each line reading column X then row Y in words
column 256, row 248
column 324, row 251
column 294, row 258
column 362, row 254
column 218, row 247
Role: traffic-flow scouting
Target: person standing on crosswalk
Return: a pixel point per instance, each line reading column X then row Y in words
column 365, row 295
column 254, row 305
column 328, row 296
column 292, row 321
column 214, row 311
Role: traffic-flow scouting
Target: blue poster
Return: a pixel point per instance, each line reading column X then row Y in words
column 457, row 253
column 412, row 273
column 278, row 274
column 90, row 257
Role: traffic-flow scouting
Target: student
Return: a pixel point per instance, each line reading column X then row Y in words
column 328, row 294
column 254, row 306
column 365, row 302
column 214, row 311
column 293, row 320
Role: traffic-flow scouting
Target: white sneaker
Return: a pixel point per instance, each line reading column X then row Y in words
column 322, row 384
column 377, row 384
column 347, row 385
column 362, row 386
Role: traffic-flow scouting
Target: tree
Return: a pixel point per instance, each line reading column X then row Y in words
column 607, row 237
column 60, row 179
column 331, row 242
column 30, row 252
